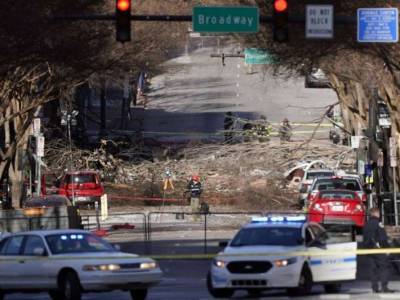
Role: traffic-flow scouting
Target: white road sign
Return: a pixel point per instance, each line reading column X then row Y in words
column 36, row 126
column 319, row 21
column 393, row 152
column 40, row 146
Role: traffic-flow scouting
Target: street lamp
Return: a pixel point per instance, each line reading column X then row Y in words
column 68, row 118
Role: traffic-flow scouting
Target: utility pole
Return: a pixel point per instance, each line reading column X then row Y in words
column 393, row 164
column 69, row 119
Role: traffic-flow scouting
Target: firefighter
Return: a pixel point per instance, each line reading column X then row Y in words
column 263, row 129
column 194, row 188
column 285, row 131
column 228, row 127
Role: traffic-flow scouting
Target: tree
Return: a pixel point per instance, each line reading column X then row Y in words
column 42, row 60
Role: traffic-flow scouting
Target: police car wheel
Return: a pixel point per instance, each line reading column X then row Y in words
column 138, row 294
column 305, row 283
column 218, row 293
column 71, row 287
column 55, row 295
column 333, row 288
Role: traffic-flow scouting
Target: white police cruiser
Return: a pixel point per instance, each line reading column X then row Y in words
column 277, row 252
column 67, row 263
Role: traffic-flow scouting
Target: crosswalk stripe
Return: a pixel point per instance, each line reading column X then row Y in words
column 389, row 296
column 334, row 297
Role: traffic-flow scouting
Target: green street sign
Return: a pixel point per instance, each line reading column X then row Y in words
column 225, row 19
column 255, row 56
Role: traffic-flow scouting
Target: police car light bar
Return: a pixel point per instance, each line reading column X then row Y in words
column 278, row 219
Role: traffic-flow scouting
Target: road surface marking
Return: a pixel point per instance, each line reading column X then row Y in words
column 389, row 296
column 336, row 296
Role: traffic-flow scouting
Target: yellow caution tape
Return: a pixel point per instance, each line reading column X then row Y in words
column 211, row 256
column 298, row 253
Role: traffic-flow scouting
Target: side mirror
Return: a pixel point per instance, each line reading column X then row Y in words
column 39, row 251
column 223, row 244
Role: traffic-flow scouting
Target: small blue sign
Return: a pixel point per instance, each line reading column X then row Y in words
column 377, row 25
column 368, row 170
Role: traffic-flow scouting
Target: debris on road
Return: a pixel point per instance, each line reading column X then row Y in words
column 242, row 174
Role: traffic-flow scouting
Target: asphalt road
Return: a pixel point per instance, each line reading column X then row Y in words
column 186, row 279
column 190, row 99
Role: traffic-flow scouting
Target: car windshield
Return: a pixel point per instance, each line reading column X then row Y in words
column 312, row 175
column 336, row 195
column 337, row 184
column 80, row 178
column 77, row 243
column 267, row 236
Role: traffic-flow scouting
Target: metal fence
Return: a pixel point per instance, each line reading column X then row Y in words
column 154, row 230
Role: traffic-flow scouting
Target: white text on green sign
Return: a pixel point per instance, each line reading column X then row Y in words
column 225, row 19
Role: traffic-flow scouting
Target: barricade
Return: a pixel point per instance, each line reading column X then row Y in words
column 130, row 225
column 197, row 225
column 18, row 224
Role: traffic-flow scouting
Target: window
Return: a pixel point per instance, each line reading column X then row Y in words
column 312, row 175
column 2, row 245
column 13, row 246
column 77, row 243
column 33, row 245
column 268, row 236
column 81, row 178
column 343, row 184
column 335, row 195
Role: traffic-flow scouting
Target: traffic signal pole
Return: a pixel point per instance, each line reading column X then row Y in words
column 339, row 20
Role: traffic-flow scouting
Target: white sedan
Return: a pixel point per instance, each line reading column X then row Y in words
column 277, row 252
column 67, row 263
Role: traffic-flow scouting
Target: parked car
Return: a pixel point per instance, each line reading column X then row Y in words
column 49, row 184
column 243, row 266
column 337, row 207
column 48, row 201
column 82, row 187
column 317, row 79
column 67, row 263
column 52, row 212
column 308, row 179
column 346, row 182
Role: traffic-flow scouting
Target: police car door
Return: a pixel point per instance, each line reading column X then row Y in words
column 338, row 264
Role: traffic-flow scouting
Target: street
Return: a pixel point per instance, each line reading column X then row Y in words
column 187, row 94
column 186, row 279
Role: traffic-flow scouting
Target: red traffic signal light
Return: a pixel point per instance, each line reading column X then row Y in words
column 280, row 5
column 280, row 24
column 123, row 20
column 123, row 5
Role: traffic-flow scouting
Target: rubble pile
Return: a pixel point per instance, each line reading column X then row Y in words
column 246, row 174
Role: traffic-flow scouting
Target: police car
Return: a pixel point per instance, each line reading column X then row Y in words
column 282, row 252
column 67, row 263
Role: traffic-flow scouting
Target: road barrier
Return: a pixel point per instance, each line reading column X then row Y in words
column 149, row 199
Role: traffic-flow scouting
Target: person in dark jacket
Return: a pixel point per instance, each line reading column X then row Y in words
column 228, row 126
column 375, row 237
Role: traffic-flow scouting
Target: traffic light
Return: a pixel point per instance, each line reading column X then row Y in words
column 123, row 20
column 281, row 21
